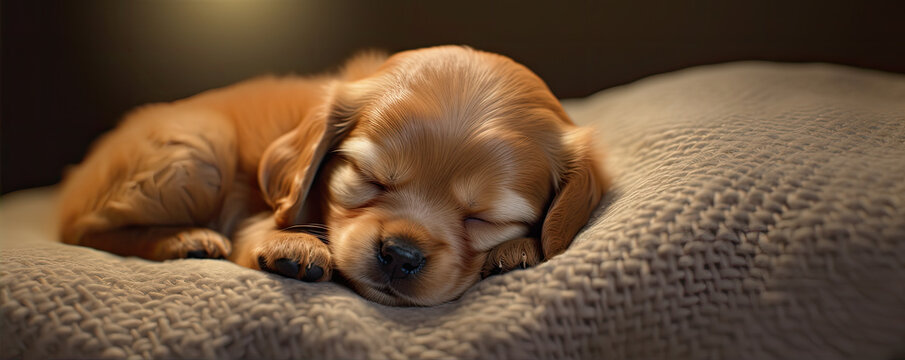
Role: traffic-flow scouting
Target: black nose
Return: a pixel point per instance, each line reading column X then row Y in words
column 398, row 258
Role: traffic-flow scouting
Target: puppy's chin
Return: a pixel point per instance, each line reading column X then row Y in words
column 384, row 294
column 415, row 292
column 388, row 295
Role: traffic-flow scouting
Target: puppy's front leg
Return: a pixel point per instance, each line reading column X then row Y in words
column 514, row 254
column 299, row 255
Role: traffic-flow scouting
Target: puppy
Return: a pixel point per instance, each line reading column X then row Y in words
column 428, row 170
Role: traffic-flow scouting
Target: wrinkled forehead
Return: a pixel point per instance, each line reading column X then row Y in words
column 416, row 144
column 456, row 115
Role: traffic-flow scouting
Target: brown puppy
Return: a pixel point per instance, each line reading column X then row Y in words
column 429, row 169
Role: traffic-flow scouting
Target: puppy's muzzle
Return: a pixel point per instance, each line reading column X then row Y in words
column 398, row 258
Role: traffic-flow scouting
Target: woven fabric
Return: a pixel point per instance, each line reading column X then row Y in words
column 758, row 211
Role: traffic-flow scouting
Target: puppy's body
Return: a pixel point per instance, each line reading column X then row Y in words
column 427, row 168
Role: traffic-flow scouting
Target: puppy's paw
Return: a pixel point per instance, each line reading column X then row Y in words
column 514, row 254
column 192, row 243
column 295, row 255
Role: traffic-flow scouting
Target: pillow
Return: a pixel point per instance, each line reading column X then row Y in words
column 757, row 211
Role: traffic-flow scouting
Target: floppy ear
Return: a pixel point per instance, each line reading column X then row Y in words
column 581, row 186
column 290, row 164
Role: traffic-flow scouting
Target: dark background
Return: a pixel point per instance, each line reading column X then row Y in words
column 70, row 69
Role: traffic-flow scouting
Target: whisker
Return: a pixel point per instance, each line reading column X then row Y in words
column 318, row 227
column 317, row 230
column 309, row 225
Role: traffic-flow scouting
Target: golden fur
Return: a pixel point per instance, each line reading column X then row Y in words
column 465, row 154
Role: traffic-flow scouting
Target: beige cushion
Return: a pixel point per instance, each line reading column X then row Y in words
column 758, row 212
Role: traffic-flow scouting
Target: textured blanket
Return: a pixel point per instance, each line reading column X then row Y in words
column 758, row 211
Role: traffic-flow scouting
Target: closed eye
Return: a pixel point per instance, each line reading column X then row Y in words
column 371, row 180
column 351, row 189
column 377, row 184
column 476, row 220
column 367, row 177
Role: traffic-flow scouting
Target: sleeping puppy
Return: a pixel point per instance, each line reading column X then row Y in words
column 428, row 170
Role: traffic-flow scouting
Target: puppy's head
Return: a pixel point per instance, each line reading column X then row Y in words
column 446, row 153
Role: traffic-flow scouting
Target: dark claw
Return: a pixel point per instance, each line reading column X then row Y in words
column 197, row 254
column 313, row 273
column 287, row 267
